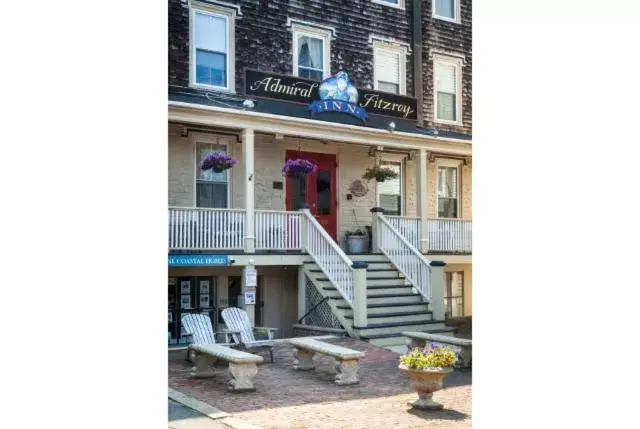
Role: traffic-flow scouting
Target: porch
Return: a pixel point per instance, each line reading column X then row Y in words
column 207, row 229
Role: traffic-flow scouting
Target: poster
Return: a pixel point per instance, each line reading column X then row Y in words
column 204, row 301
column 185, row 287
column 185, row 301
column 204, row 287
column 250, row 278
column 250, row 298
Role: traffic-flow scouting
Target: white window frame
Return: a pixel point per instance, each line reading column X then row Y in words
column 456, row 12
column 210, row 140
column 457, row 62
column 229, row 16
column 458, row 165
column 379, row 45
column 317, row 33
column 401, row 177
column 400, row 4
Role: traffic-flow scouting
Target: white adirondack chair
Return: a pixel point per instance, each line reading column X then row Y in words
column 198, row 326
column 237, row 320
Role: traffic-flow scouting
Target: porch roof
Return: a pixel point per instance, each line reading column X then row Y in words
column 297, row 110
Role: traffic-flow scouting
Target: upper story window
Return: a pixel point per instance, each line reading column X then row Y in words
column 311, row 52
column 447, row 100
column 212, row 50
column 389, row 68
column 393, row 3
column 448, row 10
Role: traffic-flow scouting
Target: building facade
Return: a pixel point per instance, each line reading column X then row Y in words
column 349, row 86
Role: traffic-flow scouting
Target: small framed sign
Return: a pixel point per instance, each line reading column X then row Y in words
column 204, row 287
column 185, row 302
column 250, row 278
column 204, row 301
column 250, row 298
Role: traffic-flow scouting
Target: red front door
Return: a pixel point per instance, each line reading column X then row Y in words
column 318, row 190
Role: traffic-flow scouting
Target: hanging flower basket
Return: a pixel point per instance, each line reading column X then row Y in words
column 298, row 168
column 380, row 174
column 218, row 162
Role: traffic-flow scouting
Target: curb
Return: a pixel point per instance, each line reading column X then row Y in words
column 212, row 412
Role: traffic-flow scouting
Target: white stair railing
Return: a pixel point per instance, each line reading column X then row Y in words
column 409, row 227
column 196, row 228
column 277, row 230
column 333, row 262
column 406, row 257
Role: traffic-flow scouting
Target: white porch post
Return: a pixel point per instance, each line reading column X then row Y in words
column 423, row 206
column 248, row 154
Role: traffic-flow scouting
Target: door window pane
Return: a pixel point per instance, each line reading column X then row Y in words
column 299, row 192
column 323, row 183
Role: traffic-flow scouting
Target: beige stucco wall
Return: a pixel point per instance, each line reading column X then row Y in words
column 467, row 269
column 269, row 158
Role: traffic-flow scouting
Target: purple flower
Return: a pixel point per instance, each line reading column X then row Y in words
column 217, row 161
column 298, row 167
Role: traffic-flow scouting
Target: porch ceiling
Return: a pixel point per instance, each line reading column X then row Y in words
column 189, row 113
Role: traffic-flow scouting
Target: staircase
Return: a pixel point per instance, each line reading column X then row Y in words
column 393, row 306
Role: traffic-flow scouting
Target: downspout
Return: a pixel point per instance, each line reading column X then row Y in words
column 417, row 59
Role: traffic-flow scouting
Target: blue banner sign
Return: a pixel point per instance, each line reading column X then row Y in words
column 320, row 106
column 198, row 260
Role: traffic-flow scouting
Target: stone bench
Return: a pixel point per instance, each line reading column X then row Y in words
column 461, row 345
column 347, row 358
column 242, row 365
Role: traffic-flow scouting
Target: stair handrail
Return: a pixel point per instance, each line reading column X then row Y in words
column 334, row 263
column 411, row 262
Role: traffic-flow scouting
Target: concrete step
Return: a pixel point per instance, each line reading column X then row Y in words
column 393, row 341
column 382, row 329
column 387, row 308
column 419, row 316
column 397, row 339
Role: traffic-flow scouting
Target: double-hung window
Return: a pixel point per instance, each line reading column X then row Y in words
column 212, row 189
column 448, row 103
column 447, row 10
column 311, row 53
column 454, row 294
column 390, row 191
column 212, row 62
column 448, row 191
column 393, row 3
column 389, row 68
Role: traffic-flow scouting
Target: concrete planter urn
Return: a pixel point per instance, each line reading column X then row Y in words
column 425, row 382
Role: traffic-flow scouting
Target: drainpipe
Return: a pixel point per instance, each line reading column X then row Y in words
column 417, row 59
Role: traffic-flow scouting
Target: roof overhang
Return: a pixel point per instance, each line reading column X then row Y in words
column 190, row 113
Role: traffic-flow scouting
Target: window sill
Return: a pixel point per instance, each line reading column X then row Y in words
column 391, row 5
column 212, row 88
column 445, row 122
column 444, row 18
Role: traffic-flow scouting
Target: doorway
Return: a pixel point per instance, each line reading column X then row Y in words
column 317, row 190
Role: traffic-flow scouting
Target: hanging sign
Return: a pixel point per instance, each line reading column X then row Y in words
column 334, row 94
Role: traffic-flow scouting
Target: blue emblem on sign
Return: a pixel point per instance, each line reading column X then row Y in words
column 198, row 260
column 337, row 94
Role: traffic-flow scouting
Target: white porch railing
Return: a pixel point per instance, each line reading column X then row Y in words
column 406, row 257
column 449, row 235
column 409, row 227
column 206, row 229
column 333, row 262
column 277, row 230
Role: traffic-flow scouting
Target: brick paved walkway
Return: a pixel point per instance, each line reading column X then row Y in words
column 290, row 399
